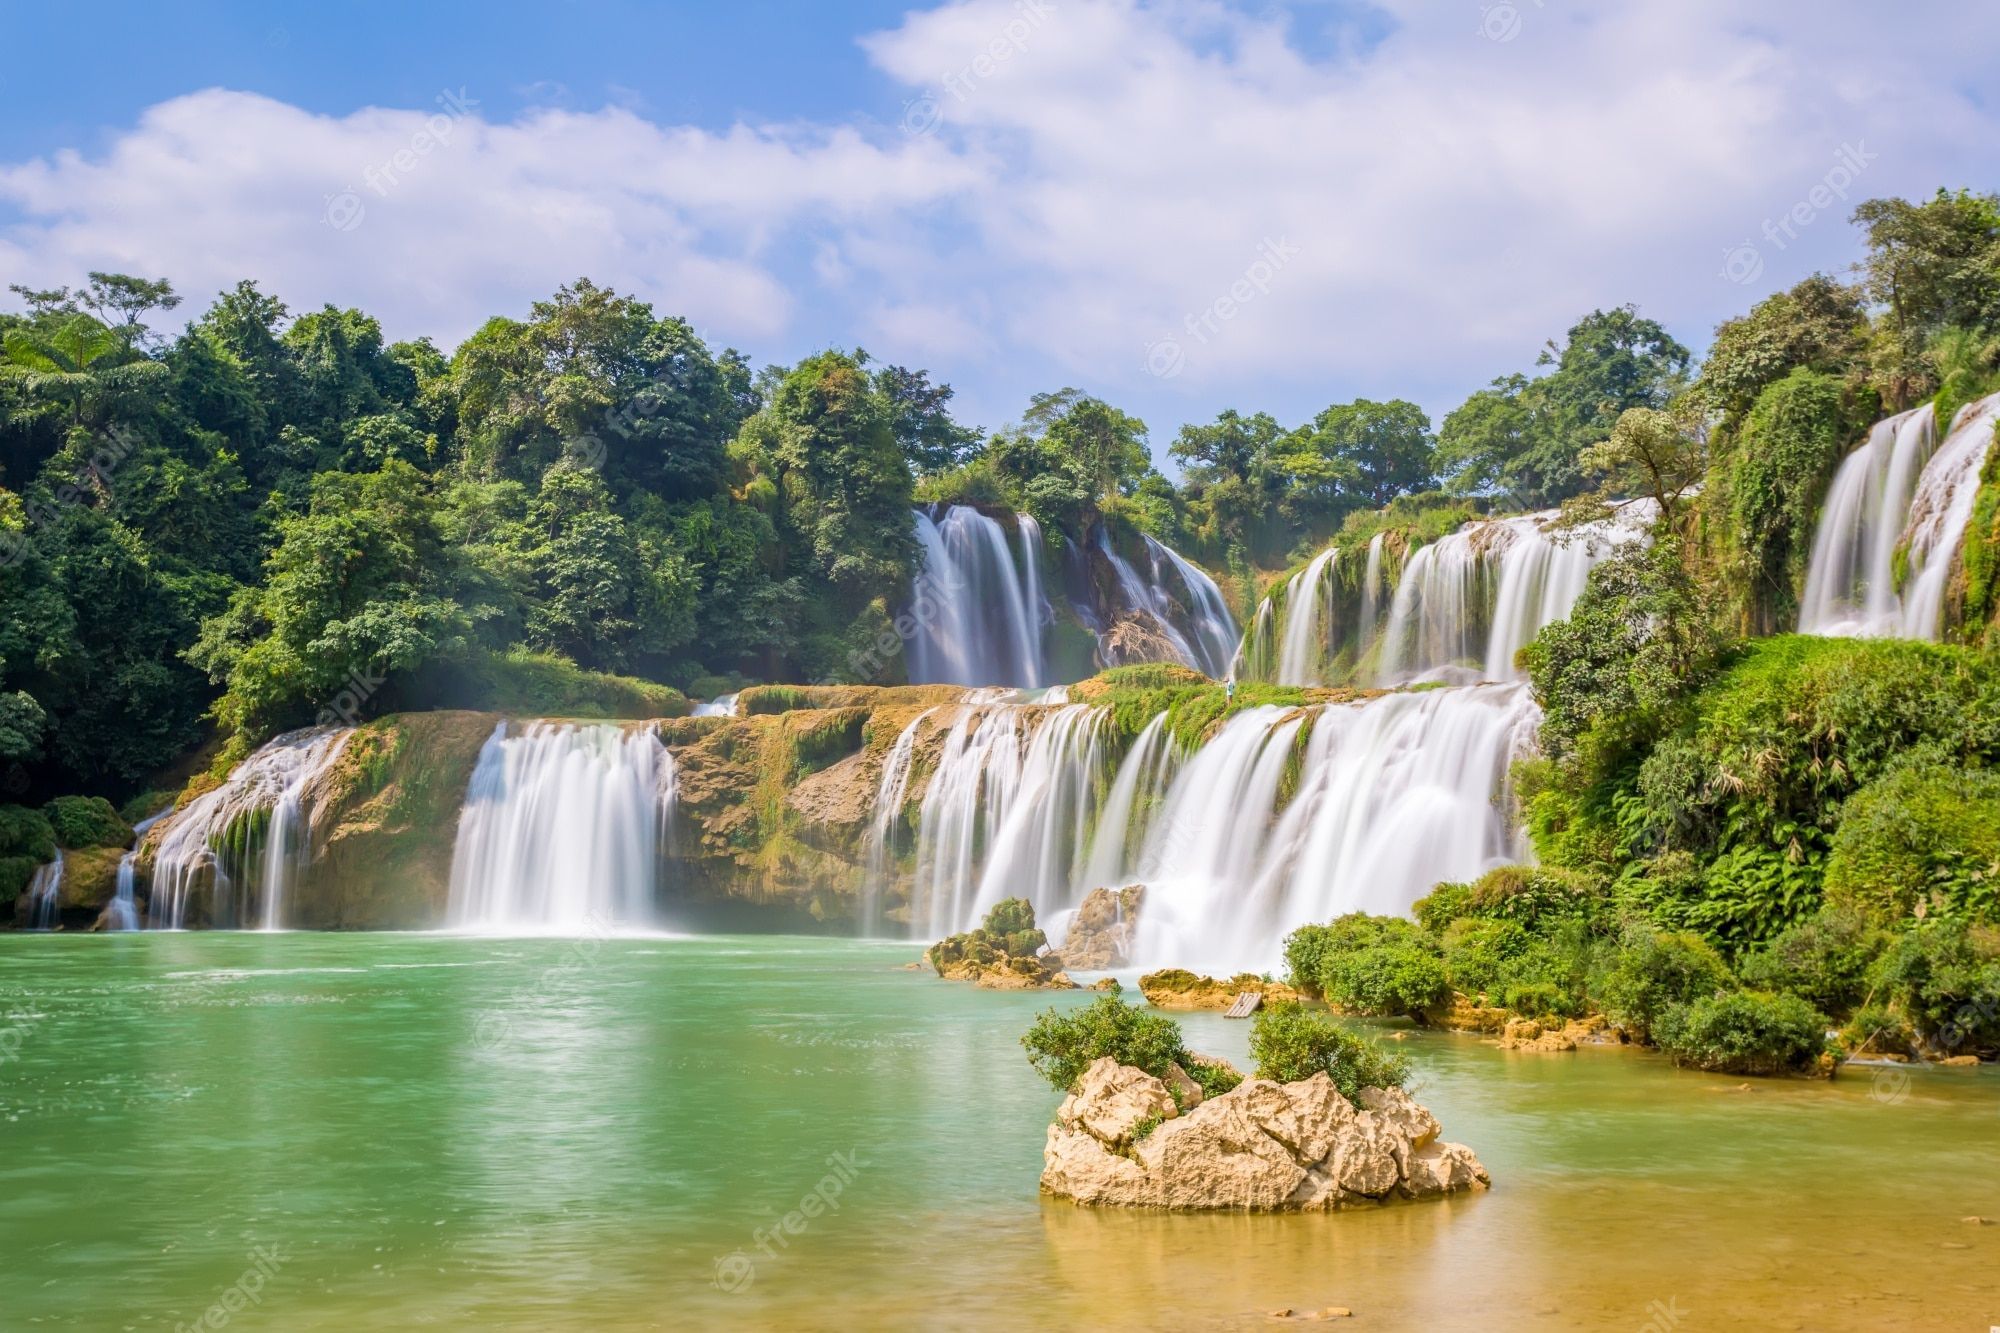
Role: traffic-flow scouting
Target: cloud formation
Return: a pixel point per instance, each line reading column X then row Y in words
column 1063, row 192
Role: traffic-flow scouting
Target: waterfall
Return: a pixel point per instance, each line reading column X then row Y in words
column 1309, row 604
column 1939, row 514
column 44, row 894
column 977, row 614
column 890, row 792
column 1006, row 811
column 1462, row 610
column 1197, row 626
column 1851, row 581
column 123, row 913
column 722, row 705
column 1395, row 795
column 245, row 840
column 1899, row 489
column 561, row 830
column 1282, row 816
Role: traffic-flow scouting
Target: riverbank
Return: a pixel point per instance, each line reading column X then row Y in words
column 531, row 1133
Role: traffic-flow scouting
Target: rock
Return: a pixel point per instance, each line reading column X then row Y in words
column 1976, row 1221
column 1007, row 952
column 1112, row 1099
column 1959, row 1061
column 1178, row 988
column 1185, row 1090
column 1106, row 984
column 1262, row 1146
column 1101, row 932
column 1336, row 1312
column 1526, row 1034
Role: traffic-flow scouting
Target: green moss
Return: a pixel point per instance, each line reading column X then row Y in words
column 1777, row 470
column 524, row 683
column 87, row 821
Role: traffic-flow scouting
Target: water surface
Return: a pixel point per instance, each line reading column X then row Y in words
column 414, row 1130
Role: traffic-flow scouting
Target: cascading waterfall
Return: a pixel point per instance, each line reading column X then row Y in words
column 1462, row 609
column 1310, row 620
column 1939, row 514
column 1851, row 581
column 1475, row 598
column 561, row 830
column 246, row 840
column 1284, row 815
column 1208, row 641
column 890, row 792
column 1005, row 810
column 722, row 705
column 44, row 894
column 1899, row 489
column 978, row 614
column 1395, row 795
column 123, row 912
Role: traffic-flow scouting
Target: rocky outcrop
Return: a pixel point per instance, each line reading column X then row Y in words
column 1119, row 1140
column 1006, row 952
column 1101, row 933
column 1528, row 1034
column 1178, row 988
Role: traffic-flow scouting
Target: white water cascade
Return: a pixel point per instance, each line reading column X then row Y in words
column 1195, row 621
column 1900, row 488
column 1851, row 582
column 561, row 830
column 1394, row 796
column 1475, row 598
column 44, row 894
column 123, row 911
column 245, row 841
column 978, row 611
column 722, row 705
column 1257, row 830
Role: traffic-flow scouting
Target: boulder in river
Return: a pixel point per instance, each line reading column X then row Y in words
column 1119, row 1141
column 1101, row 932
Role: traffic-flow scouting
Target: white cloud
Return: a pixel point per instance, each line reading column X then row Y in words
column 1453, row 199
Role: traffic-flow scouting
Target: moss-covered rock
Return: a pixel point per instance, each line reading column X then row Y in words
column 87, row 821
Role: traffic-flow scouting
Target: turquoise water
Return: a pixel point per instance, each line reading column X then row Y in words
column 413, row 1130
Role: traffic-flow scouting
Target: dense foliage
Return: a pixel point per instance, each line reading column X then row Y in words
column 1290, row 1042
column 1064, row 1043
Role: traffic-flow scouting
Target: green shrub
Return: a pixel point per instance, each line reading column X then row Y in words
column 1379, row 965
column 145, row 805
column 1062, row 1044
column 1823, row 960
column 1290, row 1042
column 1649, row 970
column 1479, row 955
column 1537, row 999
column 527, row 683
column 1925, row 831
column 86, row 821
column 25, row 832
column 1535, row 897
column 1879, row 1030
column 1742, row 1032
column 1443, row 905
column 1943, row 978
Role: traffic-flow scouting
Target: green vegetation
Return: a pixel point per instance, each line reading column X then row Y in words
column 1290, row 1042
column 1062, row 1044
column 1374, row 965
column 81, row 822
column 1744, row 1032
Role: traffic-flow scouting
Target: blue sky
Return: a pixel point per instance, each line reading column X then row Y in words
column 1183, row 205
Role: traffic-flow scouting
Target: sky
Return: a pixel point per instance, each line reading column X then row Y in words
column 1182, row 206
